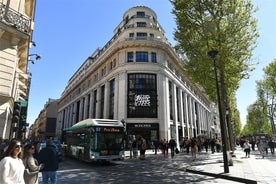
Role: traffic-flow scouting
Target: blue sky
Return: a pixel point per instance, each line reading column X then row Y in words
column 67, row 32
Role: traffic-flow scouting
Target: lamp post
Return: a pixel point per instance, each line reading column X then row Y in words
column 212, row 54
column 37, row 57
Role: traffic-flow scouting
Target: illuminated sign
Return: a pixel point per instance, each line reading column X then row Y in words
column 142, row 100
column 108, row 129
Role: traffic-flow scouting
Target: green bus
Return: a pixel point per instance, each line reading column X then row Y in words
column 95, row 140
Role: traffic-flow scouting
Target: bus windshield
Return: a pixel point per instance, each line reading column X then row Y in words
column 107, row 141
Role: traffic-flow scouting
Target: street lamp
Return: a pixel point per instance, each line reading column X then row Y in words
column 212, row 54
column 37, row 57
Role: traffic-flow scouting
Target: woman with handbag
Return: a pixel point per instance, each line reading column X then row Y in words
column 31, row 165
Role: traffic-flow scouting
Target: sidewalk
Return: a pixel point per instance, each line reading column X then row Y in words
column 245, row 170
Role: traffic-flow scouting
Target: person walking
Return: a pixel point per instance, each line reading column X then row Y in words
column 246, row 147
column 48, row 157
column 271, row 146
column 261, row 147
column 164, row 145
column 11, row 165
column 143, row 149
column 172, row 145
column 134, row 148
column 31, row 165
column 194, row 148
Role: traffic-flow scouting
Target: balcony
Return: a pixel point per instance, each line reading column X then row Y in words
column 15, row 19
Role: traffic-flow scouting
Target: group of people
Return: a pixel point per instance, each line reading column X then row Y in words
column 262, row 145
column 21, row 164
column 138, row 144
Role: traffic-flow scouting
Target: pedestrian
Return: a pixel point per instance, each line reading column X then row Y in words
column 194, row 148
column 271, row 146
column 11, row 165
column 261, row 147
column 164, row 147
column 188, row 145
column 156, row 146
column 48, row 156
column 134, row 148
column 143, row 149
column 172, row 145
column 31, row 165
column 213, row 145
column 246, row 147
column 206, row 144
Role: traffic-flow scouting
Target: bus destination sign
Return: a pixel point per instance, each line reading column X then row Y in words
column 109, row 129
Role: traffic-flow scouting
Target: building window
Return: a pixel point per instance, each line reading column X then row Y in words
column 153, row 57
column 113, row 64
column 151, row 35
column 142, row 96
column 88, row 106
column 111, row 98
column 141, row 24
column 130, row 57
column 141, row 36
column 171, row 100
column 103, row 71
column 140, row 14
column 142, row 57
column 131, row 35
column 96, row 77
column 94, row 104
column 102, row 102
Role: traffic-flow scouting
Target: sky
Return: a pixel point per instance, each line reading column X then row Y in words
column 67, row 32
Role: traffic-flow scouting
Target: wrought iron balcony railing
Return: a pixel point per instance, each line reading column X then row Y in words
column 15, row 19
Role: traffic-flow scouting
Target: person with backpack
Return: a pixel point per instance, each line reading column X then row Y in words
column 49, row 157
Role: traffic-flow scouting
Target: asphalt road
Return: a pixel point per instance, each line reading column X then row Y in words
column 155, row 169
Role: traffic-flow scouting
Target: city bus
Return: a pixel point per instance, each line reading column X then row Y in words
column 95, row 140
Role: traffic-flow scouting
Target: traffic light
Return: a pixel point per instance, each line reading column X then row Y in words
column 23, row 117
column 16, row 112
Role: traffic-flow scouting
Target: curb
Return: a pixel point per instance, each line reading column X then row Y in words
column 232, row 178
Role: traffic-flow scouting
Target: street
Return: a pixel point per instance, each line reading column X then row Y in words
column 155, row 169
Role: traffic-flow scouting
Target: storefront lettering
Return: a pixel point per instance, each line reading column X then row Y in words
column 142, row 125
column 142, row 100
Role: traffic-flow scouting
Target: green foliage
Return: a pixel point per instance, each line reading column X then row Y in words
column 257, row 120
column 225, row 25
column 266, row 91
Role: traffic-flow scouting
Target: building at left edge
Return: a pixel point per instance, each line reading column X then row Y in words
column 16, row 30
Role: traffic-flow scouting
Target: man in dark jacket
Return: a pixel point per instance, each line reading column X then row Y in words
column 48, row 157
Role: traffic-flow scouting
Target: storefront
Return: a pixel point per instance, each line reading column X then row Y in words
column 149, row 131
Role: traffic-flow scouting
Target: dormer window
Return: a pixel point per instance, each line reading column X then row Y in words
column 140, row 14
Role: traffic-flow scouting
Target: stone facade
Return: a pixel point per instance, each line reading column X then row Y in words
column 16, row 29
column 137, row 77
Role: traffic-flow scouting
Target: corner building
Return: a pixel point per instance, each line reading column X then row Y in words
column 137, row 77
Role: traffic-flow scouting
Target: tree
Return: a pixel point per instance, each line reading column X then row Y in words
column 266, row 91
column 257, row 121
column 224, row 25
